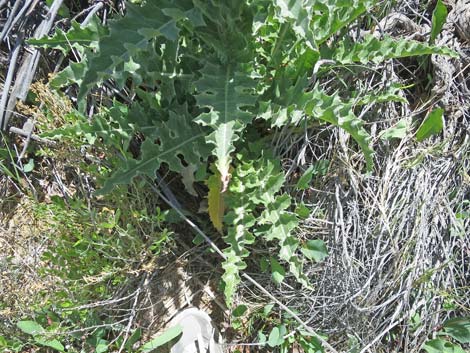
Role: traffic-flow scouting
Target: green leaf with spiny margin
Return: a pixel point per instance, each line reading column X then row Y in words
column 116, row 126
column 316, row 21
column 330, row 16
column 228, row 29
column 284, row 96
column 315, row 104
column 255, row 186
column 333, row 110
column 171, row 142
column 281, row 222
column 280, row 225
column 132, row 33
column 227, row 92
column 231, row 277
column 239, row 233
column 389, row 94
column 299, row 15
column 73, row 73
column 372, row 49
column 77, row 37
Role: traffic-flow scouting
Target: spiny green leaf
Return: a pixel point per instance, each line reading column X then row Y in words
column 283, row 107
column 378, row 50
column 231, row 277
column 299, row 14
column 131, row 34
column 390, row 94
column 316, row 21
column 282, row 222
column 77, row 37
column 439, row 16
column 334, row 111
column 432, row 125
column 317, row 104
column 73, row 73
column 227, row 92
column 228, row 29
column 279, row 225
column 239, row 233
column 330, row 16
column 173, row 140
column 255, row 184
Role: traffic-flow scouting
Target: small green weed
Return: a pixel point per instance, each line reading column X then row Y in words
column 454, row 333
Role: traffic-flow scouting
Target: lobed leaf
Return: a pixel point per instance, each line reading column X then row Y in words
column 171, row 142
column 77, row 37
column 227, row 92
column 228, row 30
column 330, row 16
column 131, row 34
column 299, row 15
column 334, row 111
column 372, row 49
column 231, row 277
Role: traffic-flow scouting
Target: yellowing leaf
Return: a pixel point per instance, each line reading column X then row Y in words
column 215, row 198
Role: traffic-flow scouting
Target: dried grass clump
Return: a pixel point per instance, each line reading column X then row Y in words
column 398, row 251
